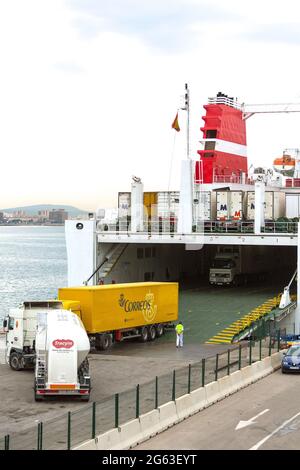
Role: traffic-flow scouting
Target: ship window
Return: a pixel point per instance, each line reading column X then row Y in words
column 140, row 253
column 211, row 134
column 210, row 145
column 148, row 252
column 148, row 276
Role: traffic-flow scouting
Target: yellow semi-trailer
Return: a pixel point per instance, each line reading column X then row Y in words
column 116, row 312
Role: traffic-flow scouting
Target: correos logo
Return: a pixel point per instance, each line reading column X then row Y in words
column 63, row 343
column 146, row 306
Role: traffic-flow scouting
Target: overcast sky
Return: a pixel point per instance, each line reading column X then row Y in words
column 89, row 89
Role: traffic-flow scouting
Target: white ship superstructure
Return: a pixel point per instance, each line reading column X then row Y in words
column 174, row 235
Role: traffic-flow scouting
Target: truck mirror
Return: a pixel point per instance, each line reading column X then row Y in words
column 5, row 323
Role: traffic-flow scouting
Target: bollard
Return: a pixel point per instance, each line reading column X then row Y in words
column 137, row 407
column 94, row 420
column 156, row 392
column 250, row 352
column 6, row 442
column 203, row 372
column 278, row 340
column 270, row 346
column 189, row 378
column 240, row 356
column 116, row 410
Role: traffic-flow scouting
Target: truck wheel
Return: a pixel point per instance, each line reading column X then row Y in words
column 103, row 342
column 144, row 334
column 151, row 333
column 85, row 398
column 159, row 330
column 14, row 361
column 38, row 397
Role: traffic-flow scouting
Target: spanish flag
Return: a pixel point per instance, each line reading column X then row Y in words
column 175, row 124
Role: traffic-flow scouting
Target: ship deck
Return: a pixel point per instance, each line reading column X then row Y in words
column 211, row 238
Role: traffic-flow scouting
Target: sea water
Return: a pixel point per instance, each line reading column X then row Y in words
column 33, row 264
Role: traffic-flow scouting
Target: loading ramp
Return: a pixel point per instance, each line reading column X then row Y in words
column 246, row 325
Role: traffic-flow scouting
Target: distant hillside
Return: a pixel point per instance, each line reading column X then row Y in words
column 33, row 210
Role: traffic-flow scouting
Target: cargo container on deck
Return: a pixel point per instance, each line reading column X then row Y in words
column 230, row 205
column 292, row 202
column 274, row 205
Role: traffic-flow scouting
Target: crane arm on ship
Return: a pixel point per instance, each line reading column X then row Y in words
column 251, row 109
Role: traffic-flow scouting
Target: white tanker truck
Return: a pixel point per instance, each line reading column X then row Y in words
column 53, row 341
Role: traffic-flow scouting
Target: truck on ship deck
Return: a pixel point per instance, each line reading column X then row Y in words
column 115, row 312
column 237, row 265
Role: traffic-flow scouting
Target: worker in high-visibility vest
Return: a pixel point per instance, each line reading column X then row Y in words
column 179, row 335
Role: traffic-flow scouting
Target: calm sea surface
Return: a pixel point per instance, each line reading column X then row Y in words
column 33, row 264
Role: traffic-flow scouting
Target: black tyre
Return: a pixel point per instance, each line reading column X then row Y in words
column 151, row 333
column 15, row 361
column 38, row 397
column 159, row 330
column 85, row 398
column 144, row 334
column 103, row 342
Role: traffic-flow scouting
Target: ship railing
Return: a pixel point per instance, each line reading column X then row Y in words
column 232, row 179
column 231, row 226
column 169, row 226
column 225, row 100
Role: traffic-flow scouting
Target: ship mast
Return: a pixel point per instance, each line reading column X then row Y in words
column 187, row 109
column 185, row 216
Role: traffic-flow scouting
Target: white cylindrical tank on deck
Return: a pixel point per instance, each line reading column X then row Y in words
column 137, row 205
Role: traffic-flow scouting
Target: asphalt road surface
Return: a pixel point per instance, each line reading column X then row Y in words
column 270, row 410
column 114, row 371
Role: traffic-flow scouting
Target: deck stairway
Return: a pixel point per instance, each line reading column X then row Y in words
column 235, row 331
column 113, row 257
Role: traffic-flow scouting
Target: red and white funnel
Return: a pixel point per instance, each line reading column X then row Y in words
column 224, row 157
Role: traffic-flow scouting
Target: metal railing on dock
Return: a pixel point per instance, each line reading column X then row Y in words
column 73, row 428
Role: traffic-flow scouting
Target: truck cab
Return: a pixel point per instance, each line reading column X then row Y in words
column 224, row 269
column 20, row 328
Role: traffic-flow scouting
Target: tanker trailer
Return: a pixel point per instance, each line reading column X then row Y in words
column 62, row 346
column 41, row 335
